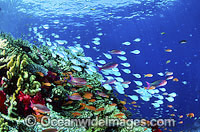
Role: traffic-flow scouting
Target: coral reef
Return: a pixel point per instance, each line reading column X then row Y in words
column 59, row 83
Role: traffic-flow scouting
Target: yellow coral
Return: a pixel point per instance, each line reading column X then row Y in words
column 10, row 63
column 23, row 64
column 19, row 81
column 9, row 75
column 18, row 61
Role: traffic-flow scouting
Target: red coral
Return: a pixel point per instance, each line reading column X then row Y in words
column 3, row 107
column 25, row 99
column 37, row 99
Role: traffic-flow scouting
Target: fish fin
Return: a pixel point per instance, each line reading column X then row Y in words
column 148, row 85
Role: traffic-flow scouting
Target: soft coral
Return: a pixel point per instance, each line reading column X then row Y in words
column 3, row 107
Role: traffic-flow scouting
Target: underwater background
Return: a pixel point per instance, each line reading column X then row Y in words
column 154, row 38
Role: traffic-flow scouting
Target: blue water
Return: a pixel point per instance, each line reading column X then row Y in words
column 179, row 19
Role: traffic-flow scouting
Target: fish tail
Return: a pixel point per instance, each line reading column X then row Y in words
column 148, row 85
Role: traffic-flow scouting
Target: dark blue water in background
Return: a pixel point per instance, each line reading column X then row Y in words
column 181, row 22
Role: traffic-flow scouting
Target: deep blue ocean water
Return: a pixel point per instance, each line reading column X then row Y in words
column 179, row 19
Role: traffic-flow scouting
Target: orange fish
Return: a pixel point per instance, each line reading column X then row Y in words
column 168, row 50
column 46, row 84
column 170, row 106
column 172, row 114
column 69, row 102
column 133, row 102
column 119, row 115
column 123, row 102
column 125, row 108
column 145, row 129
column 75, row 94
column 148, row 75
column 58, row 82
column 100, row 109
column 82, row 108
column 90, row 107
column 181, row 116
column 76, row 114
column 92, row 100
column 113, row 104
column 89, row 86
column 170, row 130
column 82, row 104
column 190, row 115
column 38, row 117
column 125, row 95
column 88, row 95
column 180, row 122
column 175, row 80
column 40, row 73
column 135, row 106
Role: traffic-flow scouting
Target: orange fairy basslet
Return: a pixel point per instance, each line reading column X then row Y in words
column 88, row 95
column 46, row 84
column 123, row 102
column 119, row 115
column 175, row 80
column 181, row 116
column 90, row 107
column 89, row 86
column 69, row 102
column 190, row 115
column 38, row 117
column 76, row 114
column 172, row 114
column 135, row 106
column 92, row 100
column 133, row 102
column 75, row 94
column 148, row 75
column 124, row 108
column 100, row 109
column 58, row 82
column 40, row 74
column 82, row 108
column 168, row 50
column 180, row 122
column 113, row 104
column 170, row 106
column 82, row 104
